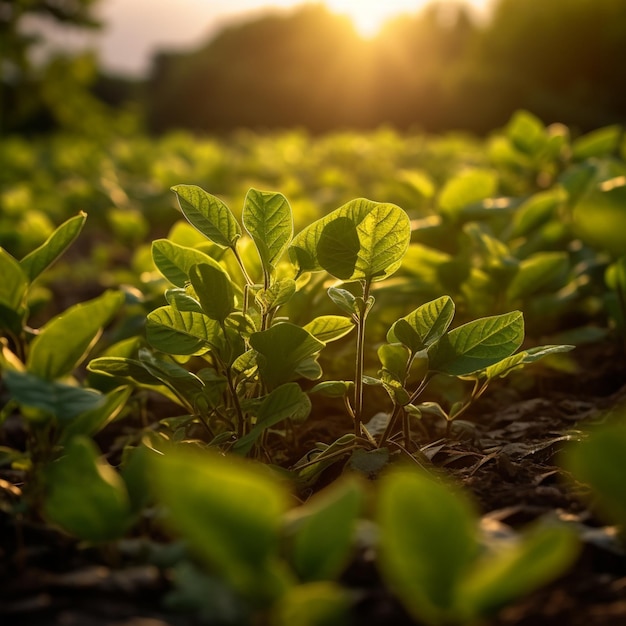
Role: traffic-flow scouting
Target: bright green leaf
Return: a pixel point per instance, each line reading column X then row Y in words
column 57, row 243
column 85, row 496
column 65, row 340
column 538, row 272
column 467, row 188
column 14, row 282
column 599, row 462
column 279, row 293
column 427, row 540
column 323, row 531
column 538, row 557
column 597, row 143
column 181, row 332
column 423, row 326
column 329, row 327
column 208, row 214
column 229, row 511
column 477, row 344
column 268, row 220
column 175, row 261
column 286, row 401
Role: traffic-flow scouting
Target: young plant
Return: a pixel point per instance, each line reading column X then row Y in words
column 226, row 318
column 38, row 365
column 223, row 316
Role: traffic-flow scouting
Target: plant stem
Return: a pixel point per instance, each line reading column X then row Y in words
column 246, row 276
column 360, row 357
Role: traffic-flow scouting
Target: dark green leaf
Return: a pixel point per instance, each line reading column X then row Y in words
column 214, row 290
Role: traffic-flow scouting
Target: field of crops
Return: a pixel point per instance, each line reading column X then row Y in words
column 282, row 379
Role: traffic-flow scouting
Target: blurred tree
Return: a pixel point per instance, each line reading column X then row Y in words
column 564, row 58
column 307, row 67
column 36, row 97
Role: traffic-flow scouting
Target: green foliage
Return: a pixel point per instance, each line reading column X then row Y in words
column 430, row 553
column 85, row 496
column 597, row 461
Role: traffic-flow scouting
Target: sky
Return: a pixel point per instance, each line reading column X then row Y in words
column 135, row 29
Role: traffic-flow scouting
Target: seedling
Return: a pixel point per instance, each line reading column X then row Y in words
column 224, row 311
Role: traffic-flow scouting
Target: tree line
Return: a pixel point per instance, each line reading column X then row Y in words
column 437, row 70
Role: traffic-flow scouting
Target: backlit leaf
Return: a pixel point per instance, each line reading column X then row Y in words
column 175, row 261
column 477, row 344
column 329, row 327
column 65, row 340
column 208, row 214
column 423, row 326
column 181, row 332
column 268, row 220
column 57, row 243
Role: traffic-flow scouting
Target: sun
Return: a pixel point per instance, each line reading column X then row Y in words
column 369, row 16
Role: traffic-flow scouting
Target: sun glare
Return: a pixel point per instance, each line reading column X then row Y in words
column 369, row 16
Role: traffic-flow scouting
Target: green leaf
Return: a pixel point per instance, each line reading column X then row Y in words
column 362, row 240
column 214, row 290
column 323, row 531
column 597, row 143
column 52, row 397
column 467, row 188
column 66, row 339
column 229, row 511
column 344, row 299
column 394, row 358
column 329, row 327
column 286, row 401
column 175, row 261
column 599, row 218
column 477, row 344
column 536, row 211
column 279, row 293
column 538, row 557
column 14, row 282
column 84, row 495
column 599, row 462
column 527, row 133
column 538, row 272
column 282, row 348
column 208, row 214
column 268, row 220
column 334, row 388
column 423, row 326
column 181, row 332
column 57, row 243
column 313, row 604
column 122, row 367
column 508, row 364
column 427, row 540
column 94, row 420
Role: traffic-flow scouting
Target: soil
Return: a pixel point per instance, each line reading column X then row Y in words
column 505, row 452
